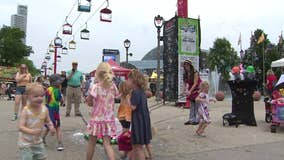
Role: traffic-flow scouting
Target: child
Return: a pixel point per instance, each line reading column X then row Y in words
column 32, row 120
column 101, row 99
column 53, row 97
column 124, row 116
column 203, row 100
column 140, row 121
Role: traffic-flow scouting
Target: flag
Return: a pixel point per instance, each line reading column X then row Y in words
column 261, row 38
column 240, row 40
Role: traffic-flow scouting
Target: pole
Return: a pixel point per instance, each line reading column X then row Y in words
column 55, row 59
column 263, row 67
column 158, row 98
column 45, row 72
column 126, row 55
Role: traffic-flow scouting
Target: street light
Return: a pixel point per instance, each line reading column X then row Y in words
column 57, row 44
column 159, row 22
column 127, row 44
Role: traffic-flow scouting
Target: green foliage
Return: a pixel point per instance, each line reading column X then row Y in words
column 223, row 56
column 12, row 49
column 256, row 54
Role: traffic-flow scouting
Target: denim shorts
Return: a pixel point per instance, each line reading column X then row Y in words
column 20, row 90
column 35, row 152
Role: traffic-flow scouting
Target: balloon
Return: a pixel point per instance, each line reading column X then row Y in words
column 250, row 69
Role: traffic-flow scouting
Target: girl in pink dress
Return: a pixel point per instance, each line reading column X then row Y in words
column 101, row 99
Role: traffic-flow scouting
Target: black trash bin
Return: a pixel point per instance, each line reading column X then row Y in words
column 242, row 100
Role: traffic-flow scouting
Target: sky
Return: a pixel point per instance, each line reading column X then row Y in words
column 134, row 20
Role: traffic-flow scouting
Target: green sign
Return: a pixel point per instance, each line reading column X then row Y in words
column 188, row 36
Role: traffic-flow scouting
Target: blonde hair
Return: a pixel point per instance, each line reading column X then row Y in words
column 269, row 72
column 104, row 73
column 23, row 65
column 203, row 85
column 138, row 79
column 35, row 86
column 124, row 89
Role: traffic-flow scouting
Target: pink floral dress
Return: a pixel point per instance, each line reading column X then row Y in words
column 102, row 122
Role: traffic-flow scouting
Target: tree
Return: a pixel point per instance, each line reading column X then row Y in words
column 259, row 54
column 223, row 56
column 12, row 49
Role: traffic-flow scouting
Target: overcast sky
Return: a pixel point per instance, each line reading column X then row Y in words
column 133, row 19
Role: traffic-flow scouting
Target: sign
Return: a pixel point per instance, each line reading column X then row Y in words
column 182, row 8
column 111, row 54
column 188, row 46
column 170, row 60
column 181, row 41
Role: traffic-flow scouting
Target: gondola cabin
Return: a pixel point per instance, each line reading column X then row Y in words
column 84, row 5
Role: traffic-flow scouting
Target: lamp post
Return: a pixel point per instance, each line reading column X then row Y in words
column 127, row 44
column 57, row 44
column 158, row 21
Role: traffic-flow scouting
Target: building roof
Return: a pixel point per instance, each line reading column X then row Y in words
column 146, row 64
column 152, row 55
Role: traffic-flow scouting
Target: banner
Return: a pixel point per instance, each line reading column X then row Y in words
column 188, row 46
column 170, row 60
column 182, row 8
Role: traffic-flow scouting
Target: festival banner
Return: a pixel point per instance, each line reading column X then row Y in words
column 182, row 8
column 188, row 46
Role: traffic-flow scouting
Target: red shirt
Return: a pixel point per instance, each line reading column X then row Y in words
column 272, row 79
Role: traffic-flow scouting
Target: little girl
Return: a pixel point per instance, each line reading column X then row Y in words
column 140, row 121
column 32, row 120
column 124, row 116
column 101, row 98
column 203, row 101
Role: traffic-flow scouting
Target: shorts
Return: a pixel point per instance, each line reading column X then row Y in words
column 54, row 116
column 125, row 124
column 36, row 152
column 20, row 90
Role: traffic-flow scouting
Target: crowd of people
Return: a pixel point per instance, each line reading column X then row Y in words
column 41, row 115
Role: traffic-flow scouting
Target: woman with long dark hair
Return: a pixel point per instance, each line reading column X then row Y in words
column 192, row 82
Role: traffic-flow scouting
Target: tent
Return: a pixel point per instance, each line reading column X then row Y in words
column 278, row 63
column 116, row 68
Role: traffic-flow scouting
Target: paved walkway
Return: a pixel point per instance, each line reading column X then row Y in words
column 174, row 141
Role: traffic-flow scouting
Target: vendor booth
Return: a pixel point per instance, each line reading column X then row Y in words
column 116, row 68
column 278, row 63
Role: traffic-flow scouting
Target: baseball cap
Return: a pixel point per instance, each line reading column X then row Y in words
column 55, row 79
column 74, row 62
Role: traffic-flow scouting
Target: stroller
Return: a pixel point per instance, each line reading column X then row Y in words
column 276, row 111
column 277, row 115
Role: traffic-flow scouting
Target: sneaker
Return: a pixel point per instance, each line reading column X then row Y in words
column 188, row 123
column 60, row 147
column 15, row 117
column 67, row 115
column 78, row 114
column 195, row 123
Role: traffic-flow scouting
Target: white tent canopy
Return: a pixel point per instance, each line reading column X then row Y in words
column 278, row 63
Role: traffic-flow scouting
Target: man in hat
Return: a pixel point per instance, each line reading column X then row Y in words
column 74, row 81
